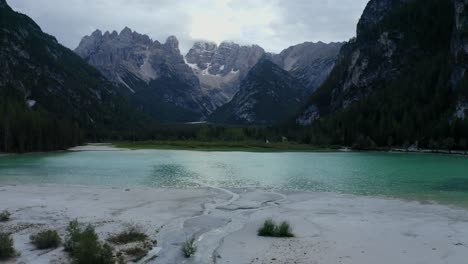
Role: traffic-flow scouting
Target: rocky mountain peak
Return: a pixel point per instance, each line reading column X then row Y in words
column 224, row 59
column 97, row 33
column 220, row 68
column 205, row 46
column 201, row 54
column 309, row 62
column 172, row 43
column 126, row 32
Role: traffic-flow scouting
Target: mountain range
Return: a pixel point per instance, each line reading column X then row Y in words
column 158, row 80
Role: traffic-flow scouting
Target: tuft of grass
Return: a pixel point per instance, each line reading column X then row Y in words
column 268, row 228
column 284, row 230
column 84, row 246
column 5, row 216
column 6, row 246
column 131, row 234
column 189, row 248
column 46, row 239
column 271, row 229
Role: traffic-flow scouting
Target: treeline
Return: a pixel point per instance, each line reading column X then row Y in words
column 31, row 128
column 209, row 132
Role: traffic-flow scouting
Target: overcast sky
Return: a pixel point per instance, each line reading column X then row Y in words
column 272, row 24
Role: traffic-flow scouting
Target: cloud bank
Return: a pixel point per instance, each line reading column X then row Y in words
column 272, row 24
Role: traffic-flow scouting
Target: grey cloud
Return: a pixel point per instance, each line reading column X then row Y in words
column 293, row 21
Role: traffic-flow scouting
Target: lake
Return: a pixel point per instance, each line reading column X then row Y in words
column 441, row 178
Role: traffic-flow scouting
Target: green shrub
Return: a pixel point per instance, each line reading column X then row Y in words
column 132, row 234
column 73, row 235
column 84, row 245
column 4, row 216
column 270, row 229
column 6, row 246
column 284, row 230
column 189, row 248
column 46, row 239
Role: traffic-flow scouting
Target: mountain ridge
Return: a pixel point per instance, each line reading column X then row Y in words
column 206, row 78
column 268, row 95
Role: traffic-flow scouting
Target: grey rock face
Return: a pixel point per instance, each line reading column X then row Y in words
column 308, row 116
column 143, row 66
column 460, row 55
column 116, row 54
column 375, row 11
column 220, row 69
column 309, row 62
column 223, row 59
column 201, row 54
column 460, row 41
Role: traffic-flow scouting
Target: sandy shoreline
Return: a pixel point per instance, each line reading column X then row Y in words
column 329, row 228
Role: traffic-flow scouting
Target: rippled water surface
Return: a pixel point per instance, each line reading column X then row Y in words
column 421, row 176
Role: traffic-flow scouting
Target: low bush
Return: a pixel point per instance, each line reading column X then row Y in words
column 84, row 246
column 268, row 228
column 271, row 229
column 6, row 246
column 131, row 234
column 5, row 216
column 284, row 230
column 46, row 239
column 189, row 248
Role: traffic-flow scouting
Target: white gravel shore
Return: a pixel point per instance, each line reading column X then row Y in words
column 329, row 228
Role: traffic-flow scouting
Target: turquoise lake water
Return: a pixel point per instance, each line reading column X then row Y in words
column 442, row 178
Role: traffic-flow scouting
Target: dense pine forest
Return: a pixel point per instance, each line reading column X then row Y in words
column 24, row 129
